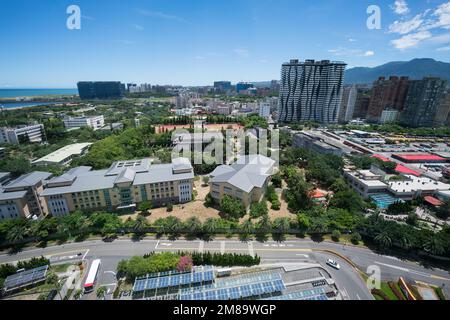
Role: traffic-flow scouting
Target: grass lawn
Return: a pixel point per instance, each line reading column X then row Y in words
column 387, row 290
column 60, row 268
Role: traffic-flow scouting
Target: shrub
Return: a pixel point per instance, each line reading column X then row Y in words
column 355, row 238
column 276, row 205
column 33, row 263
column 259, row 209
column 185, row 264
column 169, row 207
column 232, row 208
column 336, row 235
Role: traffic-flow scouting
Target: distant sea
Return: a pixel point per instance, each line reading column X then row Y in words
column 16, row 93
column 22, row 93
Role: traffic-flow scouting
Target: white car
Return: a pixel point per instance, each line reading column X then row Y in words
column 333, row 264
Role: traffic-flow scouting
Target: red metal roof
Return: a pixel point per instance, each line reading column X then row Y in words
column 433, row 201
column 316, row 194
column 420, row 157
column 402, row 169
column 378, row 156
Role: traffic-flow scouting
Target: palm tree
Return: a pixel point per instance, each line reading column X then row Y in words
column 193, row 225
column 434, row 245
column 384, row 239
column 247, row 227
column 210, row 226
column 140, row 224
column 16, row 233
column 406, row 241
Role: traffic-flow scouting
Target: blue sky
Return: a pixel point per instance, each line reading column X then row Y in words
column 194, row 42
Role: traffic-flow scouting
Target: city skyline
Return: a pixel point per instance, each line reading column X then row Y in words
column 170, row 42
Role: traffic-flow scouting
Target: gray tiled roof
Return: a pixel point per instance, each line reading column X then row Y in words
column 107, row 179
column 247, row 173
column 4, row 196
column 28, row 180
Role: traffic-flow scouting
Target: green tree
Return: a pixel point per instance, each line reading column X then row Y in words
column 16, row 233
column 140, row 224
column 259, row 209
column 193, row 225
column 232, row 208
column 384, row 239
column 434, row 245
column 336, row 235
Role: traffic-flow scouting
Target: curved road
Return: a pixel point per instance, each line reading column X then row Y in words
column 296, row 251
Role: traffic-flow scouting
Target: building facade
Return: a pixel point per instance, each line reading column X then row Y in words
column 63, row 156
column 389, row 116
column 23, row 134
column 120, row 188
column 348, row 103
column 100, row 90
column 20, row 197
column 387, row 94
column 424, row 99
column 245, row 180
column 95, row 122
column 311, row 91
column 264, row 110
column 362, row 104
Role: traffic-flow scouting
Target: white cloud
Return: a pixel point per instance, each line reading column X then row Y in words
column 443, row 49
column 404, row 27
column 244, row 53
column 138, row 27
column 443, row 15
column 411, row 40
column 400, row 7
column 352, row 40
column 199, row 58
column 161, row 15
column 346, row 52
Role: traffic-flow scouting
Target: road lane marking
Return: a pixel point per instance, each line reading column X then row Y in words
column 156, row 246
column 201, row 246
column 302, row 255
column 84, row 256
column 111, row 272
column 423, row 274
column 250, row 249
column 222, row 247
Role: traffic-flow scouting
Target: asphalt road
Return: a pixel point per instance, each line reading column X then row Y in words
column 295, row 251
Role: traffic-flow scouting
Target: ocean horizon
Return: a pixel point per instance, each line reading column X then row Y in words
column 24, row 92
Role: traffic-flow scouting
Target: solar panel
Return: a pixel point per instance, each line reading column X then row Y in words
column 25, row 278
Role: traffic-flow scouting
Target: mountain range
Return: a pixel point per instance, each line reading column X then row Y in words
column 415, row 69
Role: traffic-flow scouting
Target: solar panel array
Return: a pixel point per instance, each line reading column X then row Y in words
column 173, row 280
column 237, row 281
column 25, row 278
column 238, row 292
column 313, row 294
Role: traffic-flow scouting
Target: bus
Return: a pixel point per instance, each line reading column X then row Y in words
column 92, row 276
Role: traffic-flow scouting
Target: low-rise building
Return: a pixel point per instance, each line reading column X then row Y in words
column 246, row 180
column 312, row 142
column 95, row 122
column 413, row 187
column 63, row 156
column 365, row 182
column 2, row 153
column 121, row 187
column 23, row 134
column 20, row 198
